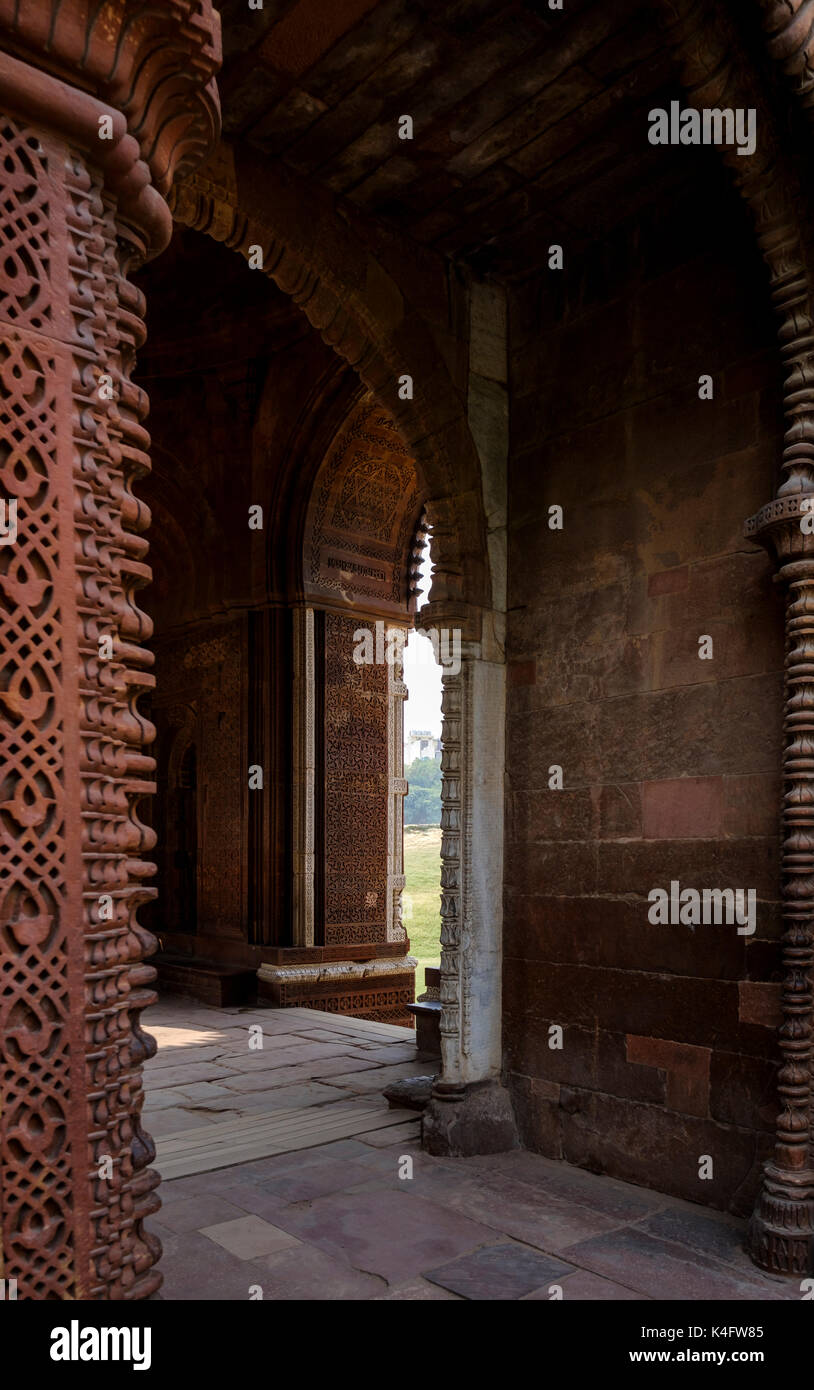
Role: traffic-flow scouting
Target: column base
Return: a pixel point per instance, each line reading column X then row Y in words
column 461, row 1121
column 781, row 1232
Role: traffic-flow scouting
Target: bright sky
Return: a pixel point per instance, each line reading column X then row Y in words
column 422, row 674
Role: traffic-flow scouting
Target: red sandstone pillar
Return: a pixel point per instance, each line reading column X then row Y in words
column 781, row 1236
column 99, row 107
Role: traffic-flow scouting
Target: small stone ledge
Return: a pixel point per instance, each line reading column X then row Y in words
column 462, row 1121
column 409, row 1093
column 340, row 971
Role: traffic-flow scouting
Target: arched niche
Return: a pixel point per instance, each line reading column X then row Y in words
column 363, row 527
column 364, row 511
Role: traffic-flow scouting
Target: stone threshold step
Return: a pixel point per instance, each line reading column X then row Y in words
column 225, row 1143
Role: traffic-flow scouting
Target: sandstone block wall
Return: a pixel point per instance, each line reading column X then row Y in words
column 670, row 762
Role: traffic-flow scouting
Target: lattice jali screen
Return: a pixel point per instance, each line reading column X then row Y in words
column 37, row 1176
column 356, row 789
column 73, row 1158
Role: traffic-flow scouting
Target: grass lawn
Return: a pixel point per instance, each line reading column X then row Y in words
column 421, row 904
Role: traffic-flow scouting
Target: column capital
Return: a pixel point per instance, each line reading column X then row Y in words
column 154, row 64
column 778, row 527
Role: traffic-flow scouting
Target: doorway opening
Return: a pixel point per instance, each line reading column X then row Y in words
column 422, row 806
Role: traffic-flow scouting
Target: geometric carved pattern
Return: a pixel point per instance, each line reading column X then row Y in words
column 453, row 853
column 24, row 230
column 368, row 495
column 74, row 1184
column 363, row 514
column 356, row 789
column 72, row 982
column 109, row 455
column 35, row 1186
column 381, row 1001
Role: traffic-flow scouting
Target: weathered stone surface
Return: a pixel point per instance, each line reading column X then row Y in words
column 663, row 1270
column 472, row 1120
column 88, row 160
column 686, row 1069
column 670, row 763
column 613, row 931
column 390, row 256
column 684, row 808
column 654, row 1147
column 409, row 1093
column 498, row 1272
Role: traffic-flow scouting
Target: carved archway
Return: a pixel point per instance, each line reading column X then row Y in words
column 355, row 582
column 357, row 304
column 364, row 509
column 356, row 301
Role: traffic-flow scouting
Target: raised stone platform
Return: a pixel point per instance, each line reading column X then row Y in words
column 427, row 1013
column 204, row 980
column 379, row 990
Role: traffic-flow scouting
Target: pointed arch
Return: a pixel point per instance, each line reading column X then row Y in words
column 356, row 299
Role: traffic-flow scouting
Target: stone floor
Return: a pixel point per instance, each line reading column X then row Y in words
column 287, row 1177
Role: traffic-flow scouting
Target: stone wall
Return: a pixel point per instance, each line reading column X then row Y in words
column 356, row 786
column 200, row 704
column 669, row 761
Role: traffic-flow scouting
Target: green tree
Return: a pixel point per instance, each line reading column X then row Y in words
column 423, row 803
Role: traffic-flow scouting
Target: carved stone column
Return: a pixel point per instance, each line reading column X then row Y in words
column 716, row 74
column 82, row 206
column 470, row 1111
column 304, row 729
column 396, row 695
column 781, row 1236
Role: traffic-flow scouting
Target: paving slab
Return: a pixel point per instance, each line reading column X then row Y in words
column 269, row 1057
column 389, row 1053
column 309, row 1274
column 619, row 1201
column 185, row 1073
column 699, row 1231
column 303, row 1149
column 196, row 1093
column 156, row 1101
column 238, row 1140
column 415, row 1290
column 517, row 1209
column 197, row 1269
column 498, row 1272
column 177, row 1121
column 265, row 1084
column 191, row 1212
column 266, row 1079
column 237, row 1043
column 408, row 1133
column 259, row 1171
column 182, row 1056
column 227, row 1185
column 394, row 1234
column 303, row 1095
column 317, row 1180
column 359, row 1078
column 664, row 1270
column 584, row 1287
column 247, row 1237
